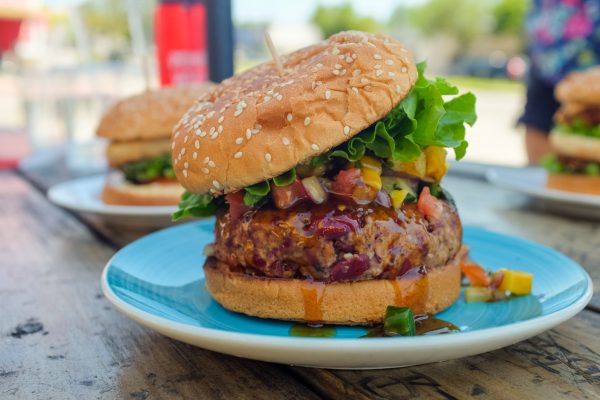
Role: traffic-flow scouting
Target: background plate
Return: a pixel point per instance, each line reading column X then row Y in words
column 532, row 181
column 158, row 281
column 83, row 195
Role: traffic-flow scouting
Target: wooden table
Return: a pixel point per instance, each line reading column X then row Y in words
column 60, row 339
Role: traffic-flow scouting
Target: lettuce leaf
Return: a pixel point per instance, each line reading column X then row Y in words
column 579, row 127
column 197, row 205
column 144, row 171
column 424, row 118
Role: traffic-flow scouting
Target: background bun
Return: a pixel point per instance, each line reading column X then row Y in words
column 574, row 183
column 578, row 146
column 120, row 192
column 344, row 303
column 150, row 115
column 119, row 153
column 259, row 124
column 580, row 87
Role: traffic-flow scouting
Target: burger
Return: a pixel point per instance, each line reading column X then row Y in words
column 139, row 130
column 574, row 165
column 324, row 176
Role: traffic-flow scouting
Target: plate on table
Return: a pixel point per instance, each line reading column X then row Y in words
column 158, row 281
column 82, row 195
column 532, row 182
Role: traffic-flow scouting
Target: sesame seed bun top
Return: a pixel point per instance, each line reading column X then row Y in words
column 149, row 115
column 261, row 123
column 580, row 87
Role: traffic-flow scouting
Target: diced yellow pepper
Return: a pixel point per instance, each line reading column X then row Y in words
column 398, row 197
column 371, row 178
column 436, row 162
column 368, row 162
column 416, row 168
column 517, row 282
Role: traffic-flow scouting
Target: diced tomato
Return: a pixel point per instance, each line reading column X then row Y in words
column 476, row 275
column 345, row 182
column 430, row 206
column 237, row 208
column 286, row 196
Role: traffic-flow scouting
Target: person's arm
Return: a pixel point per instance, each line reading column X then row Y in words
column 537, row 144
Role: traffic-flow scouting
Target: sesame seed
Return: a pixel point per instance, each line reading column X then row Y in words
column 197, row 144
column 212, row 191
column 343, row 72
column 201, row 133
column 289, row 117
column 268, row 157
column 186, row 165
column 346, row 130
column 221, row 119
column 349, row 59
column 335, row 51
column 206, row 160
column 354, row 55
column 341, row 56
column 337, row 66
column 210, row 114
column 355, row 90
column 238, row 155
column 402, row 49
column 185, row 139
column 179, row 156
column 391, row 73
column 195, row 155
column 314, row 146
column 237, row 112
column 211, row 164
column 205, row 170
column 306, row 121
column 212, row 130
column 364, row 81
column 216, row 184
column 248, row 133
column 319, row 65
column 327, row 94
column 336, row 71
column 172, row 145
column 389, row 62
column 285, row 140
column 377, row 56
column 377, row 66
column 182, row 151
column 379, row 72
column 266, row 98
column 220, row 129
column 398, row 89
column 279, row 97
column 404, row 69
column 239, row 140
column 356, row 72
column 185, row 173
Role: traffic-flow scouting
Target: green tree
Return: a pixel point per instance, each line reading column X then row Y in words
column 509, row 16
column 331, row 20
column 464, row 19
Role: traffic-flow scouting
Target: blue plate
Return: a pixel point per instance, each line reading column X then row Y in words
column 158, row 281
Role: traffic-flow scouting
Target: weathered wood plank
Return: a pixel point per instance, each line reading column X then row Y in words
column 80, row 347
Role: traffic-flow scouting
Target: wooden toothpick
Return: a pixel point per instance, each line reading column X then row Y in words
column 274, row 54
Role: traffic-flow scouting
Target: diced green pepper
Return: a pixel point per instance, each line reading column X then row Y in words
column 399, row 321
column 477, row 294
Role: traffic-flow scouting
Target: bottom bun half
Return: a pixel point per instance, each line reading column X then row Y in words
column 574, row 183
column 343, row 303
column 120, row 192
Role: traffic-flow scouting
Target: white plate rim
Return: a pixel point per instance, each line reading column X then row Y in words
column 55, row 196
column 495, row 175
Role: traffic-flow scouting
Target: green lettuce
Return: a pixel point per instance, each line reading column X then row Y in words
column 579, row 127
column 553, row 165
column 144, row 171
column 197, row 205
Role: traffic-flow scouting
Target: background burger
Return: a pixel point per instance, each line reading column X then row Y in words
column 325, row 180
column 575, row 164
column 139, row 130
